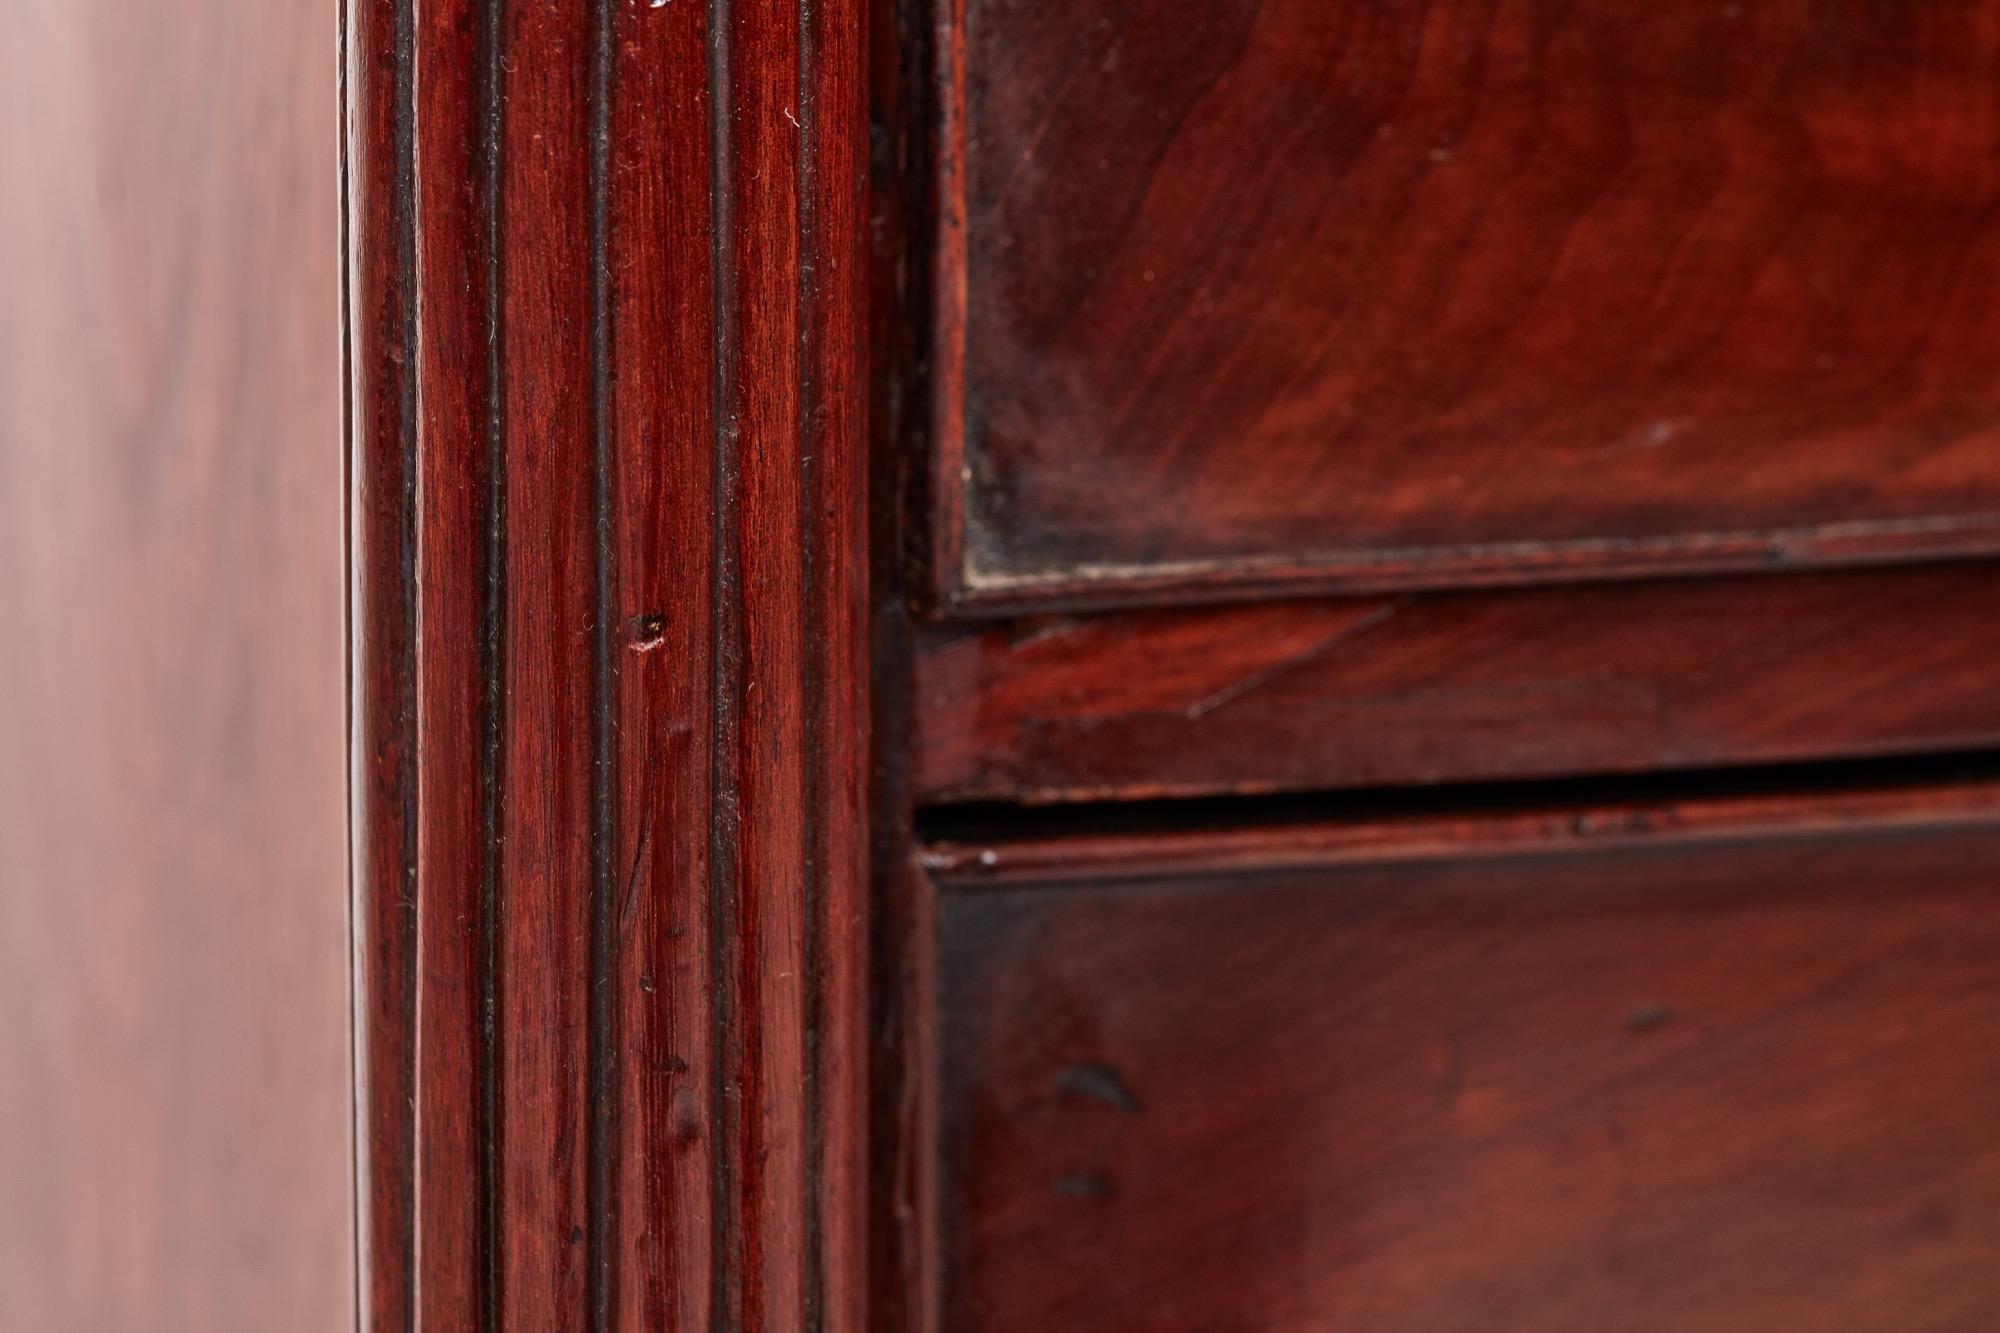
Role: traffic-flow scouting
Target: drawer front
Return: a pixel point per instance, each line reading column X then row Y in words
column 1457, row 687
column 1345, row 293
column 1690, row 1073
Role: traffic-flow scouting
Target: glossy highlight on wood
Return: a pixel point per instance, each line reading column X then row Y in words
column 1292, row 294
column 610, row 667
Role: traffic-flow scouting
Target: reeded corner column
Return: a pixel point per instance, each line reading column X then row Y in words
column 605, row 265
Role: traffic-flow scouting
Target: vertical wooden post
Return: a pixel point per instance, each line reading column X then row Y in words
column 607, row 503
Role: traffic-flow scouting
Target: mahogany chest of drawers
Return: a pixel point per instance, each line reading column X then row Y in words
column 1201, row 666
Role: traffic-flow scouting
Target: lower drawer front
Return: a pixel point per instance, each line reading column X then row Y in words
column 1747, row 1080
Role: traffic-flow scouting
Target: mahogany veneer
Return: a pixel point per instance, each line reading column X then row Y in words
column 1459, row 687
column 822, row 479
column 1723, row 1067
column 1348, row 293
column 1260, row 354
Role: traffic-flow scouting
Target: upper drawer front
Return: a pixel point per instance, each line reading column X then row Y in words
column 1369, row 293
column 1460, row 687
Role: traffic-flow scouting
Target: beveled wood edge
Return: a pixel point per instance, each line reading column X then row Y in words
column 909, row 1146
column 951, row 574
column 974, row 593
column 1561, row 828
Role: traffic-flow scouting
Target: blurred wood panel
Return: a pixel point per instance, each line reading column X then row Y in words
column 174, row 1067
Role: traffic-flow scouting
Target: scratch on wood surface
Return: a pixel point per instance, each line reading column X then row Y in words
column 1263, row 675
column 637, row 872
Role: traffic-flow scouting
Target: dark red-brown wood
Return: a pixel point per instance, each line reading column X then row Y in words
column 174, row 1063
column 1714, row 1065
column 1305, row 294
column 662, row 323
column 610, row 602
column 1460, row 687
column 1254, row 301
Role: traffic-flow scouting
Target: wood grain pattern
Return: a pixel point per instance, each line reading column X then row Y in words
column 1726, row 1068
column 1285, row 293
column 1460, row 687
column 174, row 1063
column 455, row 478
column 553, row 888
column 379, row 249
column 901, row 1224
column 611, row 532
column 662, row 324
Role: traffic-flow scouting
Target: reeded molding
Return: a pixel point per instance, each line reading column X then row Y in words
column 608, row 599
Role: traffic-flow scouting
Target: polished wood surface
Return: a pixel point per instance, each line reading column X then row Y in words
column 1528, row 474
column 1679, row 1066
column 1299, row 294
column 611, row 663
column 174, row 1098
column 1287, row 696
